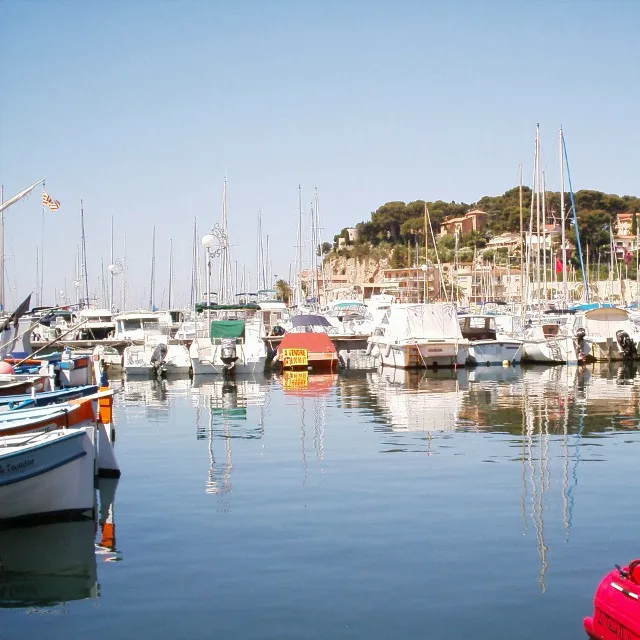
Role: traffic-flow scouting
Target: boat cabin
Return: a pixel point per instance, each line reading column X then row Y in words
column 478, row 327
column 135, row 326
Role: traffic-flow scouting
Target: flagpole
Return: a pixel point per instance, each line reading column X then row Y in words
column 41, row 275
column 1, row 248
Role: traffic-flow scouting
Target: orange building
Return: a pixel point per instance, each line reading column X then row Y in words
column 475, row 220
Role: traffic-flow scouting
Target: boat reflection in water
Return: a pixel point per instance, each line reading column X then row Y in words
column 234, row 408
column 55, row 563
column 419, row 400
column 309, row 393
column 48, row 564
column 106, row 534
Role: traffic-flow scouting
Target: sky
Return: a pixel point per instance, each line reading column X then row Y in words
column 142, row 108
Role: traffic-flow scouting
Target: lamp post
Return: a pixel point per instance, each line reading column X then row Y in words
column 424, row 268
column 209, row 242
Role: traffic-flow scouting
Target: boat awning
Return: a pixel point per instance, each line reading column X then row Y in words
column 227, row 329
column 309, row 320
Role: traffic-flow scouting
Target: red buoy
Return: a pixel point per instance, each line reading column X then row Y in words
column 617, row 605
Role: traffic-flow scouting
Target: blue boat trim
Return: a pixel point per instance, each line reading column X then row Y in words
column 40, row 472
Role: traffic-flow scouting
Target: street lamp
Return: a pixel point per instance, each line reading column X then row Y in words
column 209, row 242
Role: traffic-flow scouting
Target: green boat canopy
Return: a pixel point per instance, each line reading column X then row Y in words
column 226, row 307
column 227, row 329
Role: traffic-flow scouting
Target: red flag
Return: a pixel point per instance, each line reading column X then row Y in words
column 559, row 266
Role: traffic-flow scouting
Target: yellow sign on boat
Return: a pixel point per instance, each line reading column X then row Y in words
column 295, row 380
column 294, row 358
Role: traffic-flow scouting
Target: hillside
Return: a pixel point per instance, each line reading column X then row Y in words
column 394, row 227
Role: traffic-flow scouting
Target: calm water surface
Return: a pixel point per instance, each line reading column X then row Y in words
column 483, row 504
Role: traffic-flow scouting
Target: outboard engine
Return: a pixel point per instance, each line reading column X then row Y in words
column 228, row 353
column 158, row 357
column 627, row 345
column 579, row 340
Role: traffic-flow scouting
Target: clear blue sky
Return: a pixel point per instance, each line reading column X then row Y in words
column 141, row 108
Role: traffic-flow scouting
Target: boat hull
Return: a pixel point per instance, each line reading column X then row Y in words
column 551, row 351
column 494, row 352
column 423, row 355
column 52, row 476
column 205, row 367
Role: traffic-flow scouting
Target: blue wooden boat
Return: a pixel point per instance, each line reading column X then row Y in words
column 25, row 400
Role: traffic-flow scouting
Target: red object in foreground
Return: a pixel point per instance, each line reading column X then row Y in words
column 617, row 606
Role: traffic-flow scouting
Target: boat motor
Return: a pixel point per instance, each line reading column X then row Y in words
column 579, row 340
column 627, row 345
column 228, row 353
column 158, row 357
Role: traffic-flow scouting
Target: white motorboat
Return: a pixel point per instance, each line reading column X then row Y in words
column 552, row 341
column 156, row 357
column 47, row 474
column 486, row 344
column 96, row 324
column 233, row 344
column 133, row 327
column 419, row 336
column 610, row 334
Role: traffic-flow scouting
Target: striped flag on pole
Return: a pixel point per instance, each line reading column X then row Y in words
column 48, row 201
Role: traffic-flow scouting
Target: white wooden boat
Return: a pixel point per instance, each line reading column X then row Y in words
column 89, row 411
column 47, row 474
column 419, row 336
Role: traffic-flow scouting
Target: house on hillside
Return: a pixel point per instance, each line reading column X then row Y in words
column 475, row 220
column 624, row 240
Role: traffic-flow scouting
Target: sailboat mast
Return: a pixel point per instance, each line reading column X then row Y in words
column 324, row 279
column 194, row 266
column 522, row 291
column 299, row 251
column 563, row 240
column 124, row 276
column 260, row 280
column 111, row 269
column 170, row 271
column 225, row 290
column 544, row 239
column 538, row 210
column 83, row 252
column 153, row 271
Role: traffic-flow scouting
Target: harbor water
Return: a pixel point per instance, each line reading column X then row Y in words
column 481, row 504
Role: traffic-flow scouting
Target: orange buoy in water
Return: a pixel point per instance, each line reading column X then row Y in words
column 5, row 367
